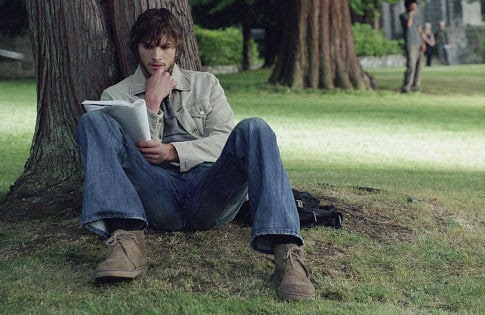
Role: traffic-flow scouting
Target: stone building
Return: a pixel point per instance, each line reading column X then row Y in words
column 464, row 20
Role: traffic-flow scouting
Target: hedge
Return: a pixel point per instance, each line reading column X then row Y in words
column 369, row 42
column 221, row 46
column 224, row 46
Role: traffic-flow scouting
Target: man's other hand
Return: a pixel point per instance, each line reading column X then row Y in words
column 156, row 152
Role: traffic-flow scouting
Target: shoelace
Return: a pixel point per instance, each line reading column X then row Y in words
column 297, row 254
column 120, row 237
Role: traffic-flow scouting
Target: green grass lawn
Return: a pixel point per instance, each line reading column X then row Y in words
column 407, row 171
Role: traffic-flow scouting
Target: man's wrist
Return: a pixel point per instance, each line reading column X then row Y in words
column 172, row 154
column 153, row 106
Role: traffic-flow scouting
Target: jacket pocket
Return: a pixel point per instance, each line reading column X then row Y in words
column 198, row 111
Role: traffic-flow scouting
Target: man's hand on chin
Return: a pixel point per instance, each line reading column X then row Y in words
column 157, row 87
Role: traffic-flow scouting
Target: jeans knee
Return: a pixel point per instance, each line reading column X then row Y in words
column 95, row 118
column 256, row 122
column 98, row 126
column 86, row 120
column 95, row 121
column 255, row 125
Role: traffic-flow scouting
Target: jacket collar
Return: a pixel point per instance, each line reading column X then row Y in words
column 138, row 79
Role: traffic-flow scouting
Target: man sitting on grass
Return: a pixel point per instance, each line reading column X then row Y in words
column 195, row 172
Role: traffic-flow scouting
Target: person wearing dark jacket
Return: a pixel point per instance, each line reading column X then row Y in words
column 443, row 43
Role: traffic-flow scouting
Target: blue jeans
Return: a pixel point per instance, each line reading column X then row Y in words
column 120, row 183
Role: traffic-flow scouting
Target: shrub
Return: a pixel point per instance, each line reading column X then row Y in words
column 221, row 46
column 369, row 42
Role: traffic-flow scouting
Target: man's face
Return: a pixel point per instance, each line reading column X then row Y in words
column 155, row 56
column 413, row 7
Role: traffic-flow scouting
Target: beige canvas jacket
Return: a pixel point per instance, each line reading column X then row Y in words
column 201, row 108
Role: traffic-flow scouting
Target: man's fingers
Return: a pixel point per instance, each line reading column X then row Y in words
column 146, row 144
column 150, row 151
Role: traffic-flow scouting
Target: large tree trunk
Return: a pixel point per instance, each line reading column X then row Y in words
column 317, row 49
column 80, row 49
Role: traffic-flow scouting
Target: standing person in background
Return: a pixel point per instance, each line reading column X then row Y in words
column 413, row 42
column 443, row 44
column 429, row 40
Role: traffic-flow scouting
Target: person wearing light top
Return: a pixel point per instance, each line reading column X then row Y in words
column 413, row 47
column 194, row 173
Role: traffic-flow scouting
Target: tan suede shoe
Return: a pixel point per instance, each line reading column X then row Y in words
column 127, row 258
column 291, row 275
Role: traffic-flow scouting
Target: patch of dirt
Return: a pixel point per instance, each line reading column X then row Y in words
column 375, row 224
column 371, row 211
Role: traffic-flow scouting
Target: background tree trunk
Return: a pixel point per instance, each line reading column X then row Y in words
column 80, row 49
column 317, row 49
column 273, row 24
column 247, row 50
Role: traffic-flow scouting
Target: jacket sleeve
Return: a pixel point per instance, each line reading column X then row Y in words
column 155, row 120
column 217, row 127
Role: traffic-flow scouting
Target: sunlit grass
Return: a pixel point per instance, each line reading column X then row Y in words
column 17, row 122
column 387, row 132
column 424, row 144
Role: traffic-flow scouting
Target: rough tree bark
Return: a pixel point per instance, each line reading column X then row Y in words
column 80, row 49
column 317, row 50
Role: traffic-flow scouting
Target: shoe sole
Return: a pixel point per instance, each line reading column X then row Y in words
column 288, row 295
column 117, row 275
column 294, row 297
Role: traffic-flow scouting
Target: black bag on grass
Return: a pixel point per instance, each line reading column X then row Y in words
column 309, row 211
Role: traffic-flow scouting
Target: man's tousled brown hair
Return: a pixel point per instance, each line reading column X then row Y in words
column 153, row 25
